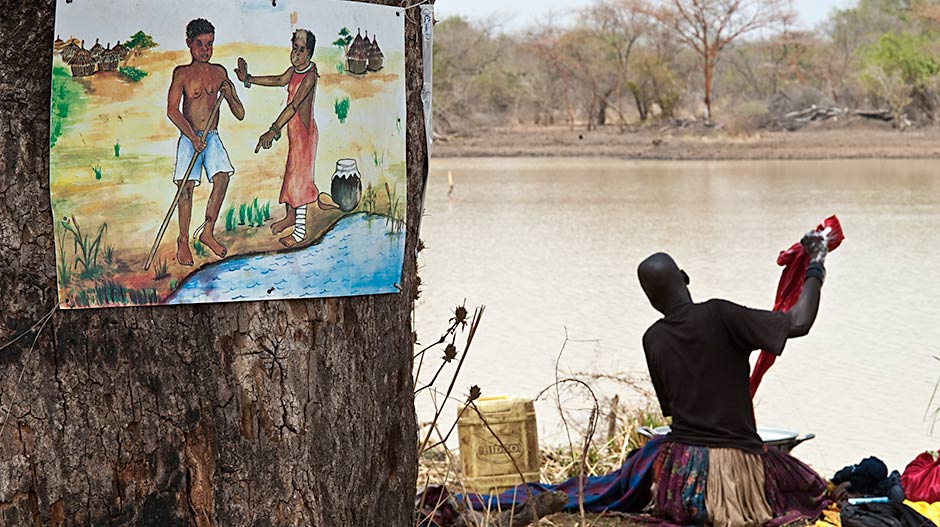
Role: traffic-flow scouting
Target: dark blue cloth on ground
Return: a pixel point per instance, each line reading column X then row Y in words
column 626, row 490
column 870, row 478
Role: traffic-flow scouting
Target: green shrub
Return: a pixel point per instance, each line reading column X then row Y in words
column 131, row 73
column 341, row 107
column 903, row 54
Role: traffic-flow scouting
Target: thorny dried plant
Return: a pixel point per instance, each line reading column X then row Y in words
column 474, row 324
column 438, row 465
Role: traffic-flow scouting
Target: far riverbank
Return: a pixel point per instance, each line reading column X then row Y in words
column 855, row 139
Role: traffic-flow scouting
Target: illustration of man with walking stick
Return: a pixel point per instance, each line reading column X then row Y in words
column 200, row 86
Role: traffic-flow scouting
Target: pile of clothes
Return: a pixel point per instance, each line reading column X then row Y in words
column 871, row 497
column 865, row 495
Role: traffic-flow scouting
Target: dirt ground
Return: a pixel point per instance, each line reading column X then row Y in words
column 853, row 138
column 591, row 520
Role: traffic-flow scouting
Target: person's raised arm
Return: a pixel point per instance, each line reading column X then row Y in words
column 176, row 116
column 306, row 88
column 241, row 71
column 803, row 314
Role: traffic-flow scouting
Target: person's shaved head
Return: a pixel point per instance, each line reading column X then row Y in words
column 663, row 282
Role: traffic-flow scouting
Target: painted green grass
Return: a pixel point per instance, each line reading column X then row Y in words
column 368, row 199
column 86, row 247
column 109, row 292
column 66, row 102
column 395, row 216
column 199, row 249
column 252, row 214
column 62, row 266
column 161, row 269
column 230, row 219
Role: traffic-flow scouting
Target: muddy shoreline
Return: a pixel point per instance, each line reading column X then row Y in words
column 854, row 139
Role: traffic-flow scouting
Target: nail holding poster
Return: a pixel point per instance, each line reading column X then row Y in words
column 226, row 151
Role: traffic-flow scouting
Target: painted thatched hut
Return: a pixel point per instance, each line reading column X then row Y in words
column 121, row 51
column 58, row 45
column 69, row 51
column 357, row 59
column 109, row 60
column 375, row 55
column 82, row 64
column 96, row 51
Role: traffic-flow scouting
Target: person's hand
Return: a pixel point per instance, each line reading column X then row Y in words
column 226, row 89
column 816, row 246
column 199, row 144
column 241, row 70
column 265, row 141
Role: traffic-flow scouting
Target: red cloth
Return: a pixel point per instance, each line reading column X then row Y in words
column 298, row 187
column 921, row 479
column 794, row 261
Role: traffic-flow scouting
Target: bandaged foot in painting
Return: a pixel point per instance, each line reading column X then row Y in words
column 298, row 187
column 183, row 255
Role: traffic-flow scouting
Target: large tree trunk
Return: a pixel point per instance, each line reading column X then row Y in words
column 246, row 414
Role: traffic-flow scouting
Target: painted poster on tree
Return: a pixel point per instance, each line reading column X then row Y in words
column 224, row 150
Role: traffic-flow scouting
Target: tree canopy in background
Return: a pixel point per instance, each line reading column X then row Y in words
column 629, row 62
column 141, row 41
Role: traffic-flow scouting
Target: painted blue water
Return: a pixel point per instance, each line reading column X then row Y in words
column 356, row 257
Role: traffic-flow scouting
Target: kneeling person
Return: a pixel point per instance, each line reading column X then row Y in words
column 713, row 467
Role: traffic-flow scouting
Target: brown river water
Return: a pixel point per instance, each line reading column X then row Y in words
column 550, row 246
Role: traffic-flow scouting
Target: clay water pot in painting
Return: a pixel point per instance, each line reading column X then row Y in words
column 346, row 187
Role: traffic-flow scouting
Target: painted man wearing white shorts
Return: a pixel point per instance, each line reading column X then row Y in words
column 198, row 85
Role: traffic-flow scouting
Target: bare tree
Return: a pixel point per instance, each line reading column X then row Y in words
column 708, row 26
column 463, row 51
column 548, row 43
column 660, row 70
column 616, row 26
column 768, row 66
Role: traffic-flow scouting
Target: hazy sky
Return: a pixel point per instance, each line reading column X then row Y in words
column 246, row 20
column 518, row 13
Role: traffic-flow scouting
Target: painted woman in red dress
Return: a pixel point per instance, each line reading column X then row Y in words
column 298, row 189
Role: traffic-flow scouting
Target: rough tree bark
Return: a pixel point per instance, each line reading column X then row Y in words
column 248, row 414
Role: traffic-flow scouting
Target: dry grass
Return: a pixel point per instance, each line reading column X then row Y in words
column 441, row 466
column 585, row 455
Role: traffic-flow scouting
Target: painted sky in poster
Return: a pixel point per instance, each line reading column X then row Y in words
column 115, row 151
